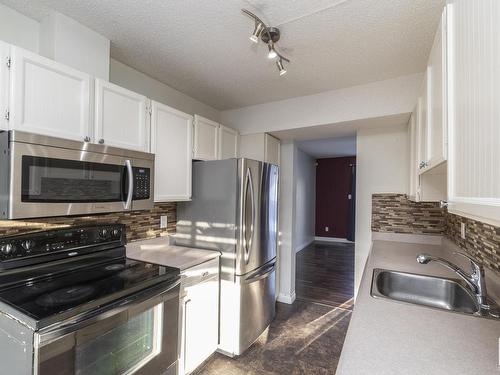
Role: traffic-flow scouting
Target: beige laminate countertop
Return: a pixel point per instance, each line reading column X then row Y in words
column 159, row 251
column 386, row 337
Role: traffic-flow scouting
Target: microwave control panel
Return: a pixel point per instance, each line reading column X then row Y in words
column 142, row 183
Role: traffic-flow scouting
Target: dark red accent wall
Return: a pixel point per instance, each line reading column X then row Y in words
column 333, row 178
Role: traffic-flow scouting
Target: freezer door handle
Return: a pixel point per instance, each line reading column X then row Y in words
column 261, row 274
column 248, row 215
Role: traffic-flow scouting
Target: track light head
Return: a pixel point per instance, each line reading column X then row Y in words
column 281, row 67
column 259, row 26
column 272, row 53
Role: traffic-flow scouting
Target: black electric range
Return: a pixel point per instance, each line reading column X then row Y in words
column 47, row 277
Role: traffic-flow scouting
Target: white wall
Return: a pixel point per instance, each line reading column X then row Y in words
column 305, row 199
column 286, row 256
column 18, row 29
column 66, row 41
column 382, row 167
column 378, row 99
column 134, row 80
column 25, row 32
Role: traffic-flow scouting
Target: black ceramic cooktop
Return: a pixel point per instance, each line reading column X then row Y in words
column 63, row 294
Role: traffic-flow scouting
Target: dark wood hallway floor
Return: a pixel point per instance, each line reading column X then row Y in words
column 325, row 274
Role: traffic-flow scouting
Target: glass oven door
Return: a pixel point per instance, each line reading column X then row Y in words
column 139, row 336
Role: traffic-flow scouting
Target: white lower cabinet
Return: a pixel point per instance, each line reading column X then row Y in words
column 4, row 85
column 199, row 312
column 171, row 142
column 47, row 97
column 121, row 117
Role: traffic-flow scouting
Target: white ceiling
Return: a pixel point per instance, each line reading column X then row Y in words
column 202, row 49
column 329, row 147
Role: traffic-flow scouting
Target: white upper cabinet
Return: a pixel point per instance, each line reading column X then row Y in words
column 47, row 97
column 272, row 148
column 414, row 179
column 171, row 141
column 422, row 127
column 474, row 109
column 121, row 117
column 205, row 143
column 4, row 85
column 260, row 146
column 228, row 143
column 436, row 100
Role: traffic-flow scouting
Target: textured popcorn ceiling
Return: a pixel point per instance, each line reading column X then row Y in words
column 201, row 47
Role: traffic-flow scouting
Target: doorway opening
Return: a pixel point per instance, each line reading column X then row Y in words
column 325, row 268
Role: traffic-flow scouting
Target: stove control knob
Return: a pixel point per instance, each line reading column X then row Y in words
column 7, row 248
column 116, row 233
column 28, row 245
column 103, row 232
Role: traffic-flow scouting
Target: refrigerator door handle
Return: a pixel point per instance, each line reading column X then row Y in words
column 248, row 217
column 260, row 274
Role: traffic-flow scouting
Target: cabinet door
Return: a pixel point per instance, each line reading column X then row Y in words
column 121, row 117
column 4, row 85
column 422, row 128
column 228, row 143
column 205, row 139
column 473, row 109
column 414, row 178
column 171, row 141
column 201, row 323
column 436, row 81
column 47, row 97
column 272, row 149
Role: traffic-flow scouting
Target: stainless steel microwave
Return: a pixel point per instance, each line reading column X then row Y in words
column 43, row 176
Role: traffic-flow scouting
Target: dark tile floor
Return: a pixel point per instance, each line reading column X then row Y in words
column 306, row 337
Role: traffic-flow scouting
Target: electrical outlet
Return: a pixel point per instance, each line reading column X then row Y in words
column 462, row 230
column 163, row 221
column 327, row 229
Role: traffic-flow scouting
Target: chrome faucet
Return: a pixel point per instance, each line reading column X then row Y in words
column 475, row 280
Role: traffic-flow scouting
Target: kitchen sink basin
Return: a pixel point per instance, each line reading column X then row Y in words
column 436, row 292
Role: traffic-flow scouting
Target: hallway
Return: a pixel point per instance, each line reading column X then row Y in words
column 325, row 274
column 307, row 336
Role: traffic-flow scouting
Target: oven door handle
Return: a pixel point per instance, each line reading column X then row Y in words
column 153, row 296
column 130, row 194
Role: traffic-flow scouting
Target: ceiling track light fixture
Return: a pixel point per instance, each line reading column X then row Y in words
column 270, row 36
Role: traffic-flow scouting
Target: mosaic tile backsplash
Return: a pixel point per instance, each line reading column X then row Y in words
column 140, row 224
column 482, row 240
column 395, row 213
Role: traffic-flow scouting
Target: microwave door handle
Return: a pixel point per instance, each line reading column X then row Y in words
column 130, row 194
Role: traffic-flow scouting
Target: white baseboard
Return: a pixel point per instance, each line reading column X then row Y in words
column 332, row 239
column 286, row 298
column 302, row 247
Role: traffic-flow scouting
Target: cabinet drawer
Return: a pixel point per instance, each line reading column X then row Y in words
column 200, row 273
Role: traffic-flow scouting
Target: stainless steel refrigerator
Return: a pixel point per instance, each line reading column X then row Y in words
column 234, row 209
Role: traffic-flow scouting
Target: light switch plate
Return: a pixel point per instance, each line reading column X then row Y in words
column 327, row 229
column 163, row 221
column 462, row 230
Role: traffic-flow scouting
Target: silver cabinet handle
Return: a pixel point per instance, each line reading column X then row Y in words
column 101, row 141
column 86, row 139
column 130, row 173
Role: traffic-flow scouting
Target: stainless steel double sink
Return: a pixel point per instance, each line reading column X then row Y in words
column 430, row 291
